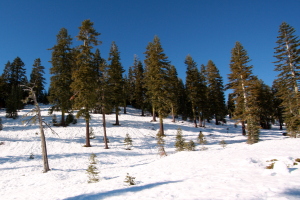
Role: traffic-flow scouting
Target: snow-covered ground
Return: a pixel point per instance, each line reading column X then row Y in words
column 237, row 171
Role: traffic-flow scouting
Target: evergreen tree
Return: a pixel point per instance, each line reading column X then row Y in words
column 173, row 95
column 230, row 105
column 4, row 84
column 215, row 90
column 136, row 77
column 193, row 86
column 85, row 75
column 277, row 103
column 179, row 143
column 115, row 80
column 161, row 145
column 128, row 142
column 287, row 54
column 203, row 107
column 156, row 80
column 241, row 82
column 37, row 79
column 17, row 77
column 62, row 66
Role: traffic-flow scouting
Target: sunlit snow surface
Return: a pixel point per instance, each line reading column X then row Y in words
column 234, row 172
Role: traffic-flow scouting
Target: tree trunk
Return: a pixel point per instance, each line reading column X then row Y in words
column 87, row 133
column 194, row 118
column 43, row 139
column 62, row 121
column 153, row 115
column 143, row 114
column 125, row 111
column 243, row 128
column 217, row 122
column 173, row 115
column 161, row 126
column 104, row 129
column 117, row 116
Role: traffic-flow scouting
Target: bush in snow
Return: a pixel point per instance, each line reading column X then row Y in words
column 129, row 180
column 92, row 134
column 70, row 119
column 92, row 170
column 190, row 146
column 128, row 142
column 223, row 143
column 161, row 146
column 201, row 138
column 31, row 156
column 179, row 143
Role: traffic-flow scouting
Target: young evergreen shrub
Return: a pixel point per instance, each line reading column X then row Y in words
column 70, row 119
column 128, row 142
column 92, row 170
column 129, row 180
column 201, row 138
column 92, row 134
column 179, row 143
column 190, row 146
column 223, row 143
column 31, row 156
column 161, row 146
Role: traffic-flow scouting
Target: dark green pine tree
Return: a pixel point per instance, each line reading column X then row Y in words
column 17, row 78
column 85, row 75
column 37, row 79
column 240, row 81
column 156, row 80
column 215, row 92
column 230, row 105
column 173, row 95
column 62, row 66
column 287, row 54
column 203, row 107
column 183, row 102
column 136, row 78
column 4, row 85
column 192, row 86
column 115, row 80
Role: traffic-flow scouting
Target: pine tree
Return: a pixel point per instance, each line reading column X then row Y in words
column 161, row 145
column 63, row 60
column 241, row 82
column 201, row 138
column 179, row 143
column 4, row 85
column 193, row 86
column 115, row 80
column 277, row 102
column 287, row 54
column 17, row 77
column 92, row 170
column 215, row 90
column 37, row 79
column 203, row 107
column 128, row 142
column 156, row 80
column 85, row 75
column 136, row 78
column 173, row 95
column 190, row 146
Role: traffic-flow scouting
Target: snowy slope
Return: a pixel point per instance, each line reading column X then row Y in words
column 234, row 172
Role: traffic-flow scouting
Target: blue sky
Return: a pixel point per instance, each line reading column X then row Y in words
column 205, row 29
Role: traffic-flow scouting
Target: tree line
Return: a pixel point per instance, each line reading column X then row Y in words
column 81, row 79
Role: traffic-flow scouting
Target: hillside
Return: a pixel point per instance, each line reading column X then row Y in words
column 237, row 171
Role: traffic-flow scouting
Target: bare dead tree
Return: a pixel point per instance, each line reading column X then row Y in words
column 32, row 96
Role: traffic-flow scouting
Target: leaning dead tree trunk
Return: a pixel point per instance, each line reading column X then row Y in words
column 43, row 139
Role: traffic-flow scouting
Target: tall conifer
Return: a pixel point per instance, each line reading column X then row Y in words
column 287, row 54
column 37, row 79
column 85, row 75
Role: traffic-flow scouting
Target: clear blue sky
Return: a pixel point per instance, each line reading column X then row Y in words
column 205, row 29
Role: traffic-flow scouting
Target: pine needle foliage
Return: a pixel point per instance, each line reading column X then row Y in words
column 129, row 180
column 92, row 170
column 287, row 54
column 128, row 142
column 161, row 145
column 201, row 138
column 179, row 143
column 190, row 145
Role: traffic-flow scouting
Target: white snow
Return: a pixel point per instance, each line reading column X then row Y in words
column 237, row 171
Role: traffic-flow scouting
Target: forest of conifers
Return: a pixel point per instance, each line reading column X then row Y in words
column 84, row 81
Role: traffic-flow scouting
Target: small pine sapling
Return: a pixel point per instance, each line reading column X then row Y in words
column 179, row 143
column 201, row 138
column 91, row 133
column 190, row 146
column 92, row 170
column 223, row 143
column 129, row 180
column 54, row 119
column 31, row 156
column 128, row 142
column 161, row 146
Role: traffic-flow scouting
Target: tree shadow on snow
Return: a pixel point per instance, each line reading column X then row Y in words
column 119, row 192
column 295, row 193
